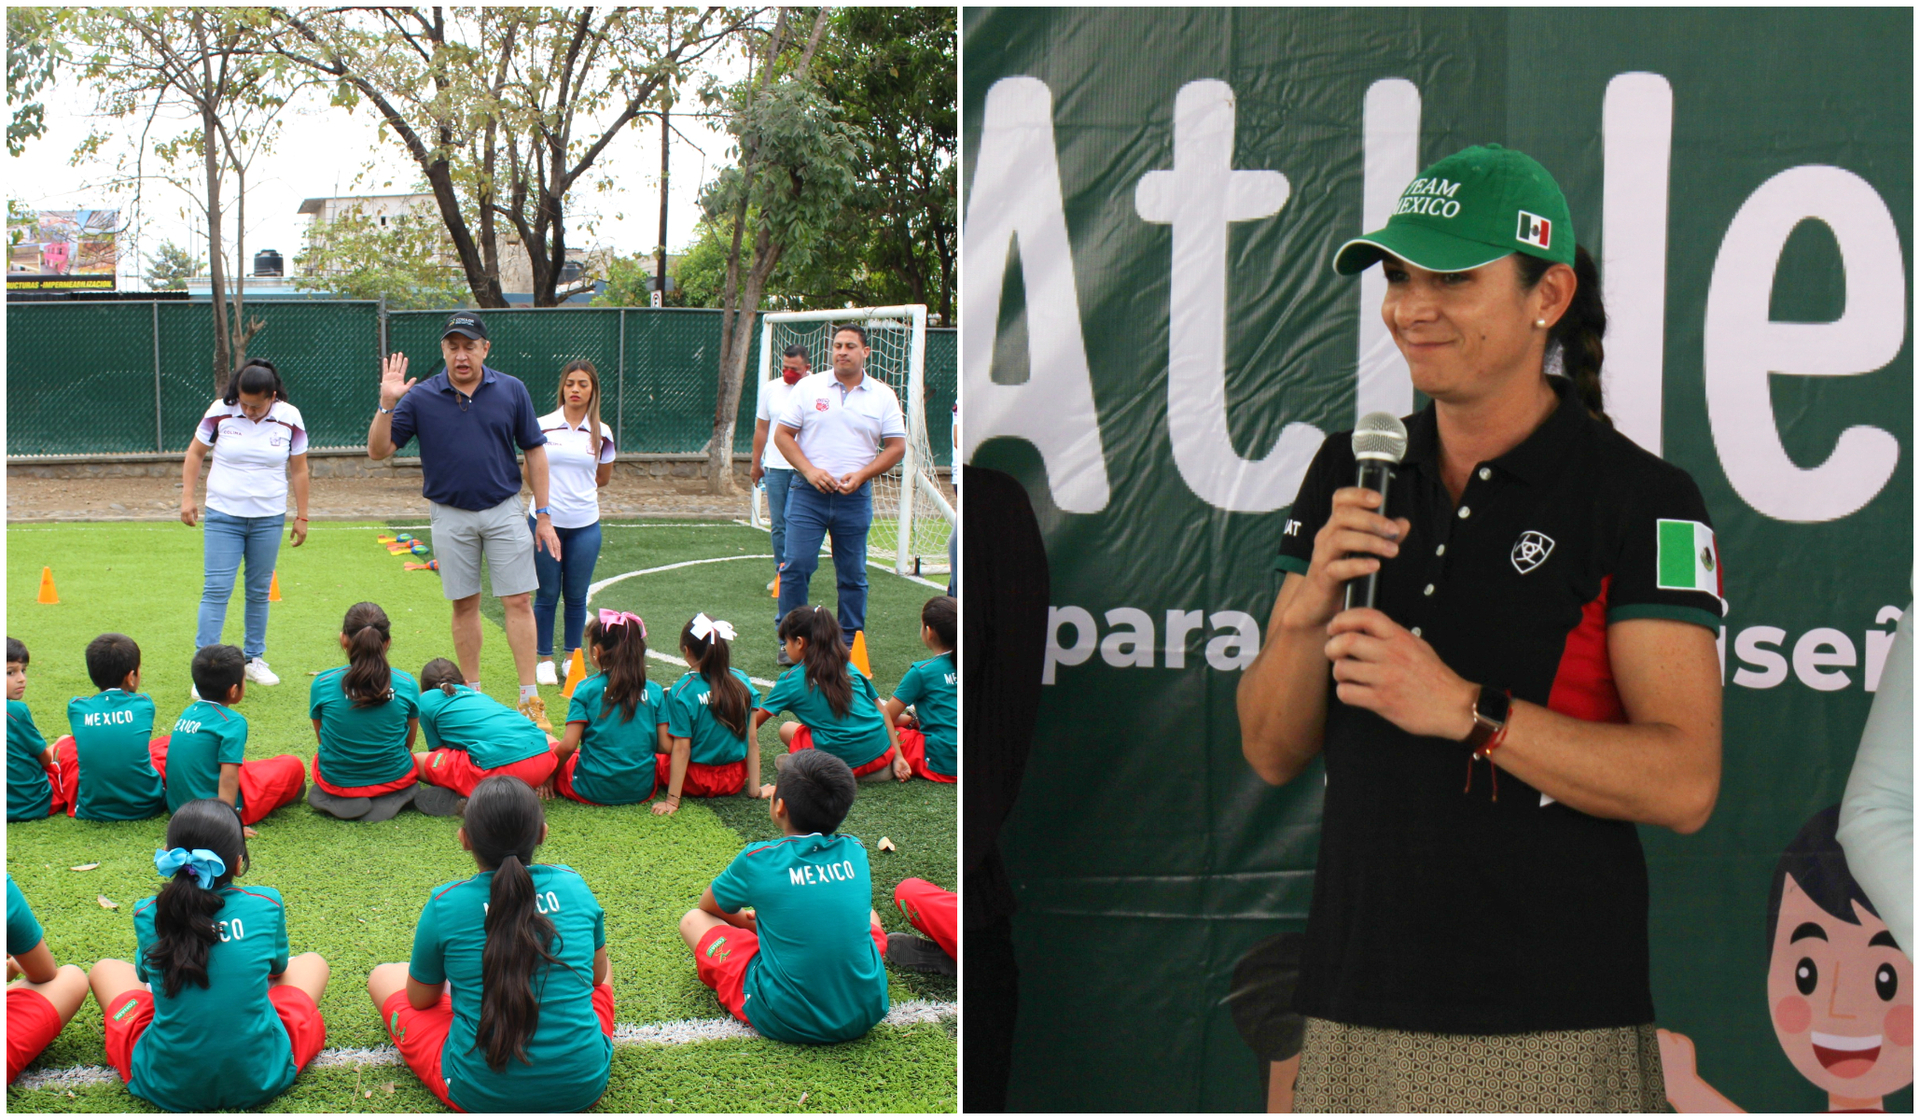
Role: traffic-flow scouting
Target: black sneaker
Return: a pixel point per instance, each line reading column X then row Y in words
column 345, row 808
column 910, row 953
column 780, row 657
column 438, row 801
column 388, row 805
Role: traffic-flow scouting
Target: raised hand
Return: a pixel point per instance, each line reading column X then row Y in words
column 394, row 382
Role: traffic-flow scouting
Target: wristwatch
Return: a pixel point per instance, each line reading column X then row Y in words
column 384, row 410
column 1490, row 713
column 541, row 510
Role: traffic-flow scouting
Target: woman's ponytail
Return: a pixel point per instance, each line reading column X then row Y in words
column 1577, row 337
column 183, row 912
column 825, row 660
column 368, row 680
column 727, row 698
column 503, row 822
column 623, row 661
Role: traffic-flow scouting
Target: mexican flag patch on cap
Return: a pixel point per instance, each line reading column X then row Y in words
column 1688, row 559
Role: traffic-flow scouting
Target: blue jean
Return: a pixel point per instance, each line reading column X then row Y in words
column 228, row 540
column 579, row 551
column 812, row 515
column 778, row 480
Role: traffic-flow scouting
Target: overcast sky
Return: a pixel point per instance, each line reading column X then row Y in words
column 321, row 152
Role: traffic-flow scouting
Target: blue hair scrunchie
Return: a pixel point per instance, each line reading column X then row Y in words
column 206, row 865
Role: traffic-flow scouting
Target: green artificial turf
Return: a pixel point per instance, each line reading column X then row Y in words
column 354, row 891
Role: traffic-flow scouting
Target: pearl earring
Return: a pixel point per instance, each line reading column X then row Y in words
column 1540, row 323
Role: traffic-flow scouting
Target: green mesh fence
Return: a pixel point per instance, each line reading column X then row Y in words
column 657, row 369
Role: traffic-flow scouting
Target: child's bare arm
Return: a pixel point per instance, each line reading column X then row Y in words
column 893, row 706
column 38, row 965
column 570, row 741
column 316, row 732
column 46, row 757
column 602, row 967
column 753, row 766
column 741, row 920
column 680, row 751
column 229, row 783
column 413, row 731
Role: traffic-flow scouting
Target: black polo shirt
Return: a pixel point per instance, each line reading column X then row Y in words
column 468, row 445
column 1441, row 910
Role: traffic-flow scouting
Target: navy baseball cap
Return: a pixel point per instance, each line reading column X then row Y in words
column 466, row 323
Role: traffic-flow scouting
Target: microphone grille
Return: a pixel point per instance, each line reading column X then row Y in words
column 1380, row 435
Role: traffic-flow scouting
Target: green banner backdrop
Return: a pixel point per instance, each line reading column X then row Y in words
column 1153, row 197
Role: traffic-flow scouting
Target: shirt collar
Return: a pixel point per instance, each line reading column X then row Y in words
column 488, row 375
column 1534, row 460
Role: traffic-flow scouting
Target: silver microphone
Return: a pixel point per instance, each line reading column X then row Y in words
column 1379, row 443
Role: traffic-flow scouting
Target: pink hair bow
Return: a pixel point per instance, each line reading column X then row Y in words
column 621, row 618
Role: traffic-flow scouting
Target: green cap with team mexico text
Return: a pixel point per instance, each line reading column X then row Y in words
column 1470, row 209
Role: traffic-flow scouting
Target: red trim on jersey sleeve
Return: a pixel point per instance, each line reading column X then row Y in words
column 1583, row 686
column 449, row 887
column 263, row 897
column 775, row 844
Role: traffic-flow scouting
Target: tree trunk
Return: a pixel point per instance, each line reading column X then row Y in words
column 733, row 374
column 660, row 266
column 216, row 268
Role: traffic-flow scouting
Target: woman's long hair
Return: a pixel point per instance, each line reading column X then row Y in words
column 825, row 660
column 183, row 912
column 623, row 661
column 442, row 674
column 258, row 375
column 581, row 365
column 726, row 696
column 1577, row 336
column 503, row 820
column 369, row 680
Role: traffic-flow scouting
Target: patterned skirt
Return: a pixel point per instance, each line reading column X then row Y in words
column 1369, row 1069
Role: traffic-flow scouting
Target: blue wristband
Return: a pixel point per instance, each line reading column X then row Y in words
column 541, row 510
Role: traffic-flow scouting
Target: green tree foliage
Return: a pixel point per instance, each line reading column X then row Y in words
column 630, row 283
column 33, row 48
column 407, row 261
column 169, row 269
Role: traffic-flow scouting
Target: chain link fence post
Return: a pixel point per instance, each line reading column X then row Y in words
column 620, row 388
column 159, row 430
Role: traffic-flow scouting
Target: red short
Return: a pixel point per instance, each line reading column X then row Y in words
column 265, row 785
column 932, row 911
column 32, row 1024
column 455, row 770
column 420, row 1035
column 399, row 783
column 913, row 748
column 702, row 779
column 722, row 956
column 803, row 741
column 129, row 1013
column 65, row 771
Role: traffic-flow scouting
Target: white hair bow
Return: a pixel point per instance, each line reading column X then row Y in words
column 705, row 628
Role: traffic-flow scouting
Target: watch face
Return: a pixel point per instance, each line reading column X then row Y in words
column 1493, row 705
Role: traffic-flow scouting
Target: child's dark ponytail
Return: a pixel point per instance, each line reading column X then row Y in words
column 942, row 616
column 503, row 821
column 623, row 661
column 368, row 681
column 442, row 674
column 726, row 697
column 183, row 911
column 826, row 656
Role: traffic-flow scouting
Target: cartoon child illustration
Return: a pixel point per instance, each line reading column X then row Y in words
column 1839, row 989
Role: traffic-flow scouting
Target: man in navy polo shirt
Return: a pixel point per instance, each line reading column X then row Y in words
column 470, row 420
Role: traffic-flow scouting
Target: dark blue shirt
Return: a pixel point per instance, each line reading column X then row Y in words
column 467, row 455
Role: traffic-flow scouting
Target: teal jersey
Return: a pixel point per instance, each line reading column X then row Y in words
column 363, row 746
column 491, row 733
column 205, row 737
column 932, row 687
column 221, row 1046
column 616, row 764
column 29, row 793
column 570, row 1056
column 111, row 732
column 712, row 743
column 818, row 976
column 856, row 738
column 23, row 929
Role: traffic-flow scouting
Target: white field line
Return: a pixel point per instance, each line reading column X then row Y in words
column 871, row 562
column 672, row 660
column 676, row 1033
column 166, row 526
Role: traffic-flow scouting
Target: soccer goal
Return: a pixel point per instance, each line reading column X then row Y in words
column 912, row 516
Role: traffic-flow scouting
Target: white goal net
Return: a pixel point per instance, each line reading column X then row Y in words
column 912, row 506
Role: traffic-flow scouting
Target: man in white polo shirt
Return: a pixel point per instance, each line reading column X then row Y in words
column 768, row 464
column 839, row 431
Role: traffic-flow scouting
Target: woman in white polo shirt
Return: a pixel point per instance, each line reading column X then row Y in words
column 259, row 447
column 579, row 463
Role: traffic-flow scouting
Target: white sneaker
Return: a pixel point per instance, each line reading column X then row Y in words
column 543, row 673
column 258, row 673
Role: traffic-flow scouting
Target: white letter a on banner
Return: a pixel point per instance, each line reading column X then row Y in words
column 1016, row 194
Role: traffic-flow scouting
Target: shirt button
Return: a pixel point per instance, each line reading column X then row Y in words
column 1415, row 631
column 1485, row 474
column 1464, row 513
column 1441, row 551
column 1429, row 590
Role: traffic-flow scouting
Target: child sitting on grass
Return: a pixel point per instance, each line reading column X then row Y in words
column 707, row 720
column 39, row 1006
column 111, row 763
column 213, row 1012
column 838, row 709
column 206, row 756
column 365, row 716
column 931, row 742
column 804, row 963
column 616, row 721
column 528, row 1024
column 33, row 778
column 472, row 737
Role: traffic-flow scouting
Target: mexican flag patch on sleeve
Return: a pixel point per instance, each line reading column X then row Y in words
column 1687, row 558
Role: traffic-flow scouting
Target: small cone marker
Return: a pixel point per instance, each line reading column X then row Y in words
column 273, row 589
column 776, row 585
column 859, row 653
column 576, row 672
column 47, row 593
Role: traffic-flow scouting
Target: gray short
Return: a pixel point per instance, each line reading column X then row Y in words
column 462, row 536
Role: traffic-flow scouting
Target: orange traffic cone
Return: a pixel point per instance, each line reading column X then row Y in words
column 47, row 593
column 776, row 585
column 576, row 672
column 859, row 653
column 273, row 590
